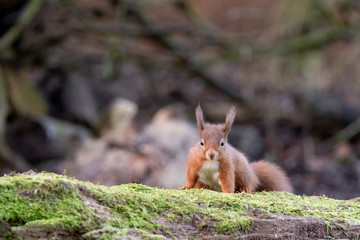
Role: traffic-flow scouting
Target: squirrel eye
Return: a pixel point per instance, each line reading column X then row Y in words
column 202, row 142
column 222, row 143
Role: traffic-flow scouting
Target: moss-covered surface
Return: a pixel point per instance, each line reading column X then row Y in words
column 49, row 205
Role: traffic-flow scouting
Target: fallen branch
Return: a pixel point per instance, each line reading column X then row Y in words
column 50, row 206
column 7, row 156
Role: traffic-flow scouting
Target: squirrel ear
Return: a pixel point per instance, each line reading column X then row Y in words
column 230, row 117
column 199, row 119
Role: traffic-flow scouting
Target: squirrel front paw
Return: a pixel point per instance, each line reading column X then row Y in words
column 183, row 188
column 245, row 189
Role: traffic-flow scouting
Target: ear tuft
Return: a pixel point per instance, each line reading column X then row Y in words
column 199, row 119
column 230, row 117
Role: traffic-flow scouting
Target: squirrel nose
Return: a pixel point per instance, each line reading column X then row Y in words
column 211, row 154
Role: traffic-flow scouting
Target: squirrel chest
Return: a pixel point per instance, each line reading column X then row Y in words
column 209, row 174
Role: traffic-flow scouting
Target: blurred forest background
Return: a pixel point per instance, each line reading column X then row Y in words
column 107, row 89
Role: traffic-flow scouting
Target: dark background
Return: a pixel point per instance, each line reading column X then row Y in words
column 107, row 89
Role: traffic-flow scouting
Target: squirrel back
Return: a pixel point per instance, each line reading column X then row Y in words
column 214, row 164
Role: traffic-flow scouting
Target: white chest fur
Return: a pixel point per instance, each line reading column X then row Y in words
column 209, row 174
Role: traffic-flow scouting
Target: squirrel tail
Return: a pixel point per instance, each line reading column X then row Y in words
column 271, row 177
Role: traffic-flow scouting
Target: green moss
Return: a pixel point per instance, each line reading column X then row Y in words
column 10, row 236
column 228, row 226
column 321, row 207
column 108, row 233
column 49, row 202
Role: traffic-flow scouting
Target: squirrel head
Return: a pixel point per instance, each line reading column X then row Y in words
column 213, row 137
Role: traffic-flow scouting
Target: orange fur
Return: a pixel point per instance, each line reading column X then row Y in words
column 271, row 177
column 214, row 164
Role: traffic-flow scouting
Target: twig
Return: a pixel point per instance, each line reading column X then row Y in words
column 190, row 12
column 26, row 16
column 295, row 45
column 347, row 133
column 194, row 67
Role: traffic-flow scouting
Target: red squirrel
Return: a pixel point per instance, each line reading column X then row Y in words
column 214, row 164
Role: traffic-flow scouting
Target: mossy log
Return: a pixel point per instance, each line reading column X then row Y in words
column 50, row 206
